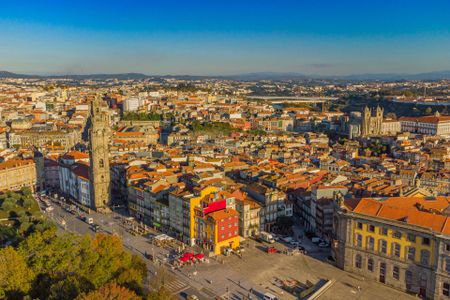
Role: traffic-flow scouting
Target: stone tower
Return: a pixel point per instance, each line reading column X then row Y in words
column 365, row 124
column 371, row 125
column 99, row 135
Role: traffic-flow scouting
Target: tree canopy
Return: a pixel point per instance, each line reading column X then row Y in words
column 20, row 216
column 109, row 291
column 50, row 266
column 134, row 116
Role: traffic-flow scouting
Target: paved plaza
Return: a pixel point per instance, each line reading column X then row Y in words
column 234, row 277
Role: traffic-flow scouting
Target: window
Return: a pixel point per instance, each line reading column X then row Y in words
column 383, row 231
column 397, row 234
column 446, row 289
column 411, row 237
column 408, row 277
column 358, row 241
column 396, row 249
column 358, row 261
column 447, row 265
column 360, row 225
column 424, row 257
column 396, row 272
column 411, row 255
column 425, row 241
column 101, row 164
column 371, row 228
column 447, row 247
column 370, row 243
column 370, row 264
column 383, row 246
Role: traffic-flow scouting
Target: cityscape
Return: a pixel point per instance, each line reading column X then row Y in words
column 216, row 178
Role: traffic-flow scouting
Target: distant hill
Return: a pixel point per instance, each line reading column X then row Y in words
column 120, row 76
column 281, row 76
column 256, row 76
column 6, row 74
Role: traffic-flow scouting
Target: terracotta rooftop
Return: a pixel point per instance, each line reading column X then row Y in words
column 427, row 212
column 223, row 214
column 14, row 163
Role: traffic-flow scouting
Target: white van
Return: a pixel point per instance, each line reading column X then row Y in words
column 269, row 296
column 266, row 237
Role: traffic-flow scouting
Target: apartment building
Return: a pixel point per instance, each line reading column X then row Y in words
column 403, row 242
column 17, row 173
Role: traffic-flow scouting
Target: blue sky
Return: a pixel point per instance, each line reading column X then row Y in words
column 224, row 37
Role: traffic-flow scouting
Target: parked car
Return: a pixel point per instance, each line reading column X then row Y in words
column 316, row 239
column 95, row 227
column 287, row 239
column 294, row 243
column 266, row 237
column 324, row 244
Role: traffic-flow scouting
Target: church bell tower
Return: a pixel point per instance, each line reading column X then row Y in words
column 99, row 135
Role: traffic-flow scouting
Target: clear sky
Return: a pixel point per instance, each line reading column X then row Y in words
column 224, row 37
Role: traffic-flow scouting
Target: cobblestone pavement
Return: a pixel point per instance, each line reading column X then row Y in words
column 238, row 278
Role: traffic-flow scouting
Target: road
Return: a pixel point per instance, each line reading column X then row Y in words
column 180, row 285
column 233, row 277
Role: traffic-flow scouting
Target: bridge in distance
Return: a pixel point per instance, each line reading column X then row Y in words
column 294, row 99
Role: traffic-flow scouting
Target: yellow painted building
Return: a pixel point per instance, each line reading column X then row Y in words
column 216, row 230
column 392, row 237
column 222, row 227
column 195, row 201
column 403, row 242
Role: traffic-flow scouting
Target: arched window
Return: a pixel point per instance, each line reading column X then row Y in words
column 101, row 163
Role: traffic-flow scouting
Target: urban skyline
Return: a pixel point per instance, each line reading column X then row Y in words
column 269, row 150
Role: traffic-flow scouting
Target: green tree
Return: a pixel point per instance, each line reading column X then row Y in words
column 15, row 276
column 110, row 291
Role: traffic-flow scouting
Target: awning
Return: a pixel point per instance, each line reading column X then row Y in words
column 188, row 255
column 200, row 255
column 184, row 259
